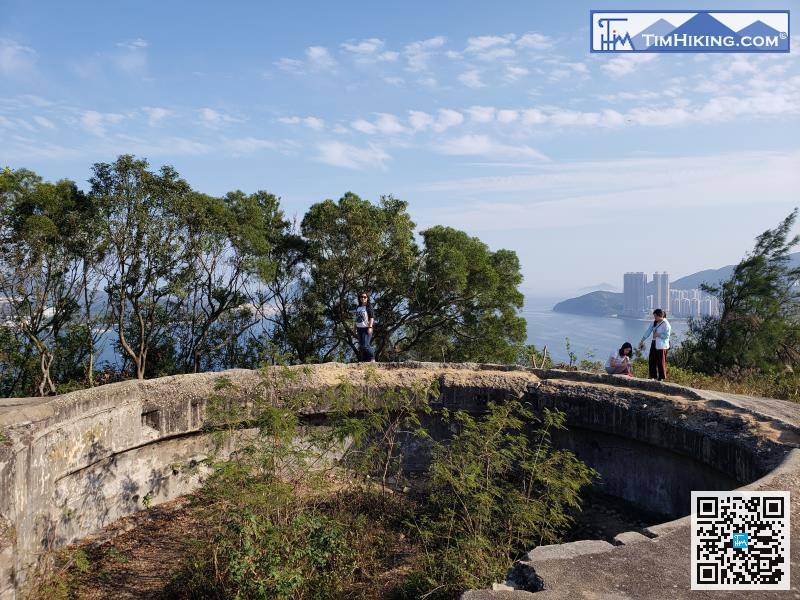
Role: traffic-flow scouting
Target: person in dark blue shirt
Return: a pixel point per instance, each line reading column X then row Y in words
column 364, row 322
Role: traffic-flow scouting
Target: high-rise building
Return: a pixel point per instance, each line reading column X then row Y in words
column 661, row 290
column 634, row 293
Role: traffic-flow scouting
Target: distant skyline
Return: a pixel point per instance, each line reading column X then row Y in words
column 490, row 118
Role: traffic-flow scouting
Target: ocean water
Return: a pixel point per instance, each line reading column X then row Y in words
column 589, row 336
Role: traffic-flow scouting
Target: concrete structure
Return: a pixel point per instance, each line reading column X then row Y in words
column 72, row 464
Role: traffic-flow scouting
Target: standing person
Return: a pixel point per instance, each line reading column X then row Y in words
column 365, row 319
column 660, row 330
column 619, row 362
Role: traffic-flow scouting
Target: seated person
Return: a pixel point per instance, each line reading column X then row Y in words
column 619, row 362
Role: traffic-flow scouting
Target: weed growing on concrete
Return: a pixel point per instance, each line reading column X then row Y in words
column 304, row 508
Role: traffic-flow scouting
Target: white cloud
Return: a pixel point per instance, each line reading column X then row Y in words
column 535, row 41
column 396, row 81
column 137, row 44
column 347, row 156
column 366, row 47
column 132, row 59
column 533, row 116
column 370, row 50
column 482, row 145
column 95, row 122
column 16, row 58
column 490, row 47
column 447, row 118
column 418, row 53
column 514, row 73
column 363, row 126
column 314, row 123
column 507, row 116
column 471, row 79
column 626, row 63
column 44, row 122
column 590, row 192
column 428, row 82
column 319, row 57
column 481, row 114
column 248, row 145
column 156, row 114
column 166, row 146
column 214, row 118
column 386, row 124
column 21, row 147
column 291, row 65
column 419, row 121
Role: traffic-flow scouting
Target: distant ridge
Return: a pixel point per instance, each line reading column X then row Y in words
column 609, row 304
column 595, row 304
column 604, row 287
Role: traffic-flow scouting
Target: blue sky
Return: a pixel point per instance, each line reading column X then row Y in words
column 490, row 117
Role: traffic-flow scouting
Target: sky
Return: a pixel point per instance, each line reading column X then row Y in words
column 493, row 118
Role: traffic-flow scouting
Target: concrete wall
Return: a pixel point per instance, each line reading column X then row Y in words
column 77, row 462
column 657, row 480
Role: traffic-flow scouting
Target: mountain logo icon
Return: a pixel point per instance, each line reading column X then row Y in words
column 690, row 31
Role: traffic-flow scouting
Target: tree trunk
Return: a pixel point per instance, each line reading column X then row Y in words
column 89, row 337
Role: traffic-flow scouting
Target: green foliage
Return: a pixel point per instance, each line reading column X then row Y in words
column 453, row 299
column 314, row 512
column 59, row 577
column 530, row 356
column 496, row 489
column 39, row 267
column 758, row 330
column 190, row 282
column 467, row 301
column 784, row 385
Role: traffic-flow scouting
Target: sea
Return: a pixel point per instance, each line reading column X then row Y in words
column 592, row 338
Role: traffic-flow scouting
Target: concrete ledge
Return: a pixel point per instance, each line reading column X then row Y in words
column 568, row 551
column 630, row 537
column 77, row 462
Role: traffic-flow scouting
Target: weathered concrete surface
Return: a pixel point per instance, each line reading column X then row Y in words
column 741, row 436
column 77, row 462
column 656, row 568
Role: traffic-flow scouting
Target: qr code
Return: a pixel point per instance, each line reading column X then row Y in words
column 740, row 540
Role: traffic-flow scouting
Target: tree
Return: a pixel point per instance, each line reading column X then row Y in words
column 454, row 299
column 759, row 323
column 40, row 274
column 465, row 303
column 145, row 252
column 229, row 244
column 356, row 245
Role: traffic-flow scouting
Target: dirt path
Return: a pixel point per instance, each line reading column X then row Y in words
column 140, row 555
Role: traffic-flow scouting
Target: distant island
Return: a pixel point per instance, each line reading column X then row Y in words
column 602, row 303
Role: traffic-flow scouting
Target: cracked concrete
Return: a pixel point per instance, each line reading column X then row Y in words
column 77, row 462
